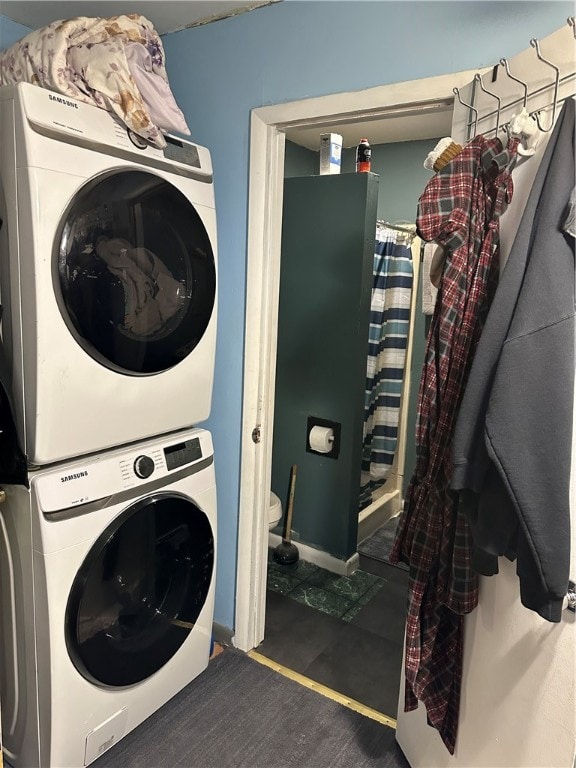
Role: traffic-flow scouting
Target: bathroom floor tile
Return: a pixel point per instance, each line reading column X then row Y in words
column 362, row 665
column 385, row 613
column 298, row 570
column 345, row 632
column 296, row 634
column 364, row 600
column 353, row 611
column 320, row 599
column 280, row 582
column 353, row 587
column 283, row 578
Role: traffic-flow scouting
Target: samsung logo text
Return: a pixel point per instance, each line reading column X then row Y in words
column 75, row 476
column 60, row 100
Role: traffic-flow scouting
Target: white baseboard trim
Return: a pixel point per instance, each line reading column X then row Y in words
column 320, row 558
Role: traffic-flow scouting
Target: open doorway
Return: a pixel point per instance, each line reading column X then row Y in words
column 343, row 630
column 416, row 100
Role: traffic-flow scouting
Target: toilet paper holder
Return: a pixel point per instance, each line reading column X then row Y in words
column 335, row 426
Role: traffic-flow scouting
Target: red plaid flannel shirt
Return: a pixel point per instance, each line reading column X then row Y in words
column 460, row 210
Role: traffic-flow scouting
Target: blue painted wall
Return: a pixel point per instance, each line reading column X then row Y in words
column 293, row 50
column 10, row 32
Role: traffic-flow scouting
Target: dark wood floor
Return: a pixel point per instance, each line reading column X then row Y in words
column 343, row 632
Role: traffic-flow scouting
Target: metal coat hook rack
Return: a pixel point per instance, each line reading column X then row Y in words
column 456, row 92
column 495, row 114
column 504, row 63
column 478, row 79
column 536, row 44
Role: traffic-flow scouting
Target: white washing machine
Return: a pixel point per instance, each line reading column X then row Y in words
column 108, row 277
column 107, row 589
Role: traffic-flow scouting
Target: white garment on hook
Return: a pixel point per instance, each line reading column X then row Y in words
column 525, row 127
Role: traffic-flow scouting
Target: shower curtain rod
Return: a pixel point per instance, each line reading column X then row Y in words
column 409, row 229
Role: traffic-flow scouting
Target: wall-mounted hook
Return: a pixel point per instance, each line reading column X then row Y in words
column 536, row 44
column 504, row 63
column 478, row 79
column 456, row 92
column 572, row 23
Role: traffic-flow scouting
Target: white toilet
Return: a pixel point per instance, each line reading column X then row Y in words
column 274, row 511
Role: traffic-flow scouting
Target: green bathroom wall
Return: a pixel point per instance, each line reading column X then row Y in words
column 300, row 161
column 325, row 286
column 403, row 177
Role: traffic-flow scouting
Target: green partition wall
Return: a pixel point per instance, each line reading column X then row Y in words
column 328, row 232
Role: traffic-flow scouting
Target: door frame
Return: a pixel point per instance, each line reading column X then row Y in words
column 265, row 196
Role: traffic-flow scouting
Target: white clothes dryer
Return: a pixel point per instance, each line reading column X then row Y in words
column 108, row 277
column 107, row 590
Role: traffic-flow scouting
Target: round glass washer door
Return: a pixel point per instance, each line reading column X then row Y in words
column 139, row 591
column 135, row 272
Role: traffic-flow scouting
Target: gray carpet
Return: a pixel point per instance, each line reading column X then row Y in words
column 379, row 544
column 241, row 714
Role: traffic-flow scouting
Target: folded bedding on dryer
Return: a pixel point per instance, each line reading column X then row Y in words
column 114, row 63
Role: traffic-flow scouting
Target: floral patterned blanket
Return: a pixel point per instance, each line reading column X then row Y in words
column 99, row 61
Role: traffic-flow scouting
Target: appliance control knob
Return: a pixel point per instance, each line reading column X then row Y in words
column 138, row 141
column 143, row 466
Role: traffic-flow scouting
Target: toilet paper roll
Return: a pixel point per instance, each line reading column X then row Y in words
column 321, row 439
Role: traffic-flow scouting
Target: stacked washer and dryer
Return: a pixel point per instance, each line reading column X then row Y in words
column 107, row 550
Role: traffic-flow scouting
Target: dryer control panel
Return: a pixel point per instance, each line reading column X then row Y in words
column 182, row 453
column 181, row 151
column 86, row 125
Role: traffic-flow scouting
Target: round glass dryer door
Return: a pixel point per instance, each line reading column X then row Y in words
column 140, row 591
column 136, row 276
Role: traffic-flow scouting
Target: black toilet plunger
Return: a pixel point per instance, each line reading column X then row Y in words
column 286, row 553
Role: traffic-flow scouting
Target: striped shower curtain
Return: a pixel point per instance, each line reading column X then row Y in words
column 388, row 340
